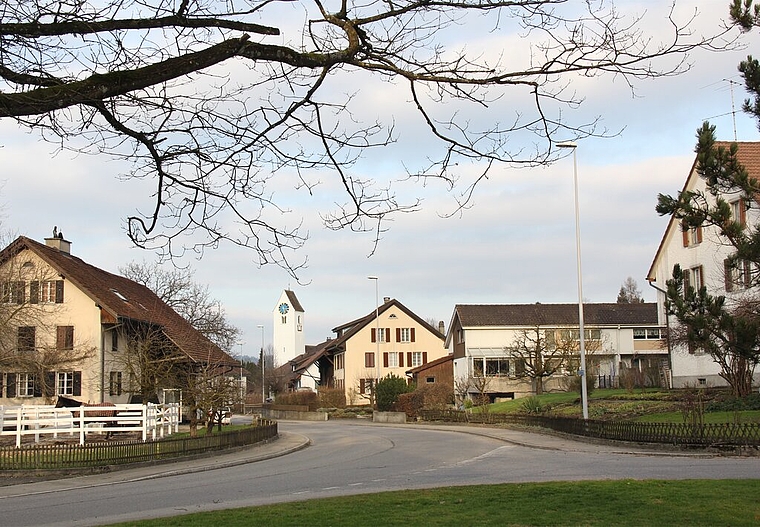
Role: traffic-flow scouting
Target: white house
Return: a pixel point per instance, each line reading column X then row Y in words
column 702, row 254
column 617, row 336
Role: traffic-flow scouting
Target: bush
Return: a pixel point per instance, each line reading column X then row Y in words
column 734, row 404
column 410, row 403
column 388, row 391
column 331, row 397
column 299, row 398
column 532, row 405
column 436, row 396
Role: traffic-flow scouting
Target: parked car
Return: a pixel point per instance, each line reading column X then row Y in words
column 225, row 412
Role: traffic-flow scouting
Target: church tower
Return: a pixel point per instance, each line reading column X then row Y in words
column 288, row 335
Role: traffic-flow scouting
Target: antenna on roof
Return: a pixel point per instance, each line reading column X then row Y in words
column 733, row 107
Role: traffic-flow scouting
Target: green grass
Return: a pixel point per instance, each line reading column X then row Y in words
column 692, row 503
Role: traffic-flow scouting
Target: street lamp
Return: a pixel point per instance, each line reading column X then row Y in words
column 377, row 336
column 584, row 394
column 261, row 327
column 242, row 394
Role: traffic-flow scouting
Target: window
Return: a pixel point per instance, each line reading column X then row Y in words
column 13, row 292
column 691, row 235
column 416, row 359
column 404, row 334
column 340, row 361
column 460, row 336
column 27, row 340
column 497, row 367
column 64, row 338
column 739, row 211
column 693, row 278
column 430, row 380
column 383, row 332
column 369, row 359
column 114, row 385
column 114, row 340
column 477, row 367
column 737, row 274
column 25, row 385
column 647, row 334
column 392, row 360
column 365, row 385
column 65, row 383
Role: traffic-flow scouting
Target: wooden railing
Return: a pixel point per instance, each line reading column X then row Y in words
column 151, row 420
column 34, row 457
column 681, row 434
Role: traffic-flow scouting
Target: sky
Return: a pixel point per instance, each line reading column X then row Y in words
column 516, row 244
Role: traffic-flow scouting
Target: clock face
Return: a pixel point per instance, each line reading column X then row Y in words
column 284, row 308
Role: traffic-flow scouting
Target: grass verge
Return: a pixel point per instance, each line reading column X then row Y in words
column 692, row 503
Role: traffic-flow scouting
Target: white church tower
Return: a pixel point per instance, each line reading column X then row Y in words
column 288, row 335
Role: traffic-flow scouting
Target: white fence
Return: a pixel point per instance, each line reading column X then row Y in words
column 154, row 420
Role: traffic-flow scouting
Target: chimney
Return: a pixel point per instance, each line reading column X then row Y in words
column 441, row 327
column 386, row 299
column 58, row 242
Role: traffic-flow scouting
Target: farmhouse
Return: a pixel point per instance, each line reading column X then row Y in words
column 71, row 329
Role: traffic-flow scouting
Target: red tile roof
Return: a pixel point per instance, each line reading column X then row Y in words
column 122, row 299
column 598, row 314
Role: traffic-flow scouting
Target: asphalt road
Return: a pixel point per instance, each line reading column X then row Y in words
column 347, row 458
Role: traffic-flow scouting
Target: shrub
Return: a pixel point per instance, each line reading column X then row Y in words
column 331, row 397
column 436, row 396
column 299, row 398
column 410, row 403
column 388, row 390
column 532, row 405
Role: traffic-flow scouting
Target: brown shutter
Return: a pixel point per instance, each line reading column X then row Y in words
column 49, row 388
column 699, row 234
column 11, row 385
column 424, row 357
column 685, row 234
column 59, row 291
column 401, row 359
column 385, row 359
column 373, row 338
column 686, row 280
column 37, row 386
column 77, row 385
column 728, row 282
column 387, row 334
column 742, row 212
column 411, row 331
column 398, row 334
column 34, row 292
column 409, row 358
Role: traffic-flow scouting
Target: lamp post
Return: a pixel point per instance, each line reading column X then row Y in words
column 377, row 336
column 242, row 393
column 263, row 397
column 581, row 332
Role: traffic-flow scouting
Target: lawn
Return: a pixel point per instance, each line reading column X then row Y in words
column 649, row 405
column 693, row 503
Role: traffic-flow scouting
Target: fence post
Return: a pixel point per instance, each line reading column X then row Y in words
column 81, row 425
column 144, row 422
column 18, row 426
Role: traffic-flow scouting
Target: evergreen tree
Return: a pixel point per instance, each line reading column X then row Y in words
column 726, row 328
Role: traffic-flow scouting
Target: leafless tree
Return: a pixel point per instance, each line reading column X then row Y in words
column 540, row 353
column 462, row 387
column 630, row 292
column 178, row 289
column 221, row 104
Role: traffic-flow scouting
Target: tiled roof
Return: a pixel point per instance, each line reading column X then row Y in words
column 483, row 315
column 122, row 298
column 748, row 155
column 430, row 364
column 294, row 301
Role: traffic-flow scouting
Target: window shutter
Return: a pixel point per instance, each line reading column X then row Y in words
column 401, row 360
column 59, row 291
column 37, row 389
column 20, row 291
column 411, row 331
column 11, row 382
column 685, row 234
column 409, row 358
column 387, row 334
column 34, row 292
column 385, row 359
column 77, row 385
column 699, row 234
column 742, row 212
column 373, row 338
column 686, row 280
column 728, row 281
column 747, row 273
column 398, row 334
column 49, row 387
column 424, row 357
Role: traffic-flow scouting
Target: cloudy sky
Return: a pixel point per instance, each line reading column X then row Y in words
column 515, row 245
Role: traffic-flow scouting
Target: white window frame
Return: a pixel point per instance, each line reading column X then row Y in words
column 416, row 359
column 393, row 359
column 405, row 334
column 64, row 383
column 24, row 385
